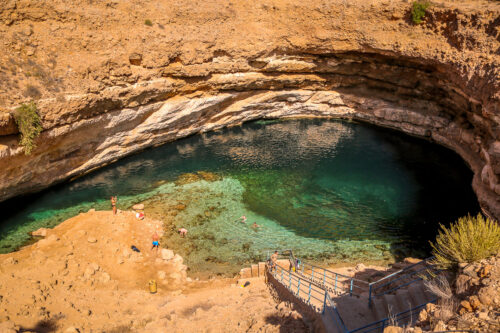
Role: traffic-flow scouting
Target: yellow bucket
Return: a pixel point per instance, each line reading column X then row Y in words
column 152, row 286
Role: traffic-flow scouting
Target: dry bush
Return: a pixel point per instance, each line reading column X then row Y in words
column 469, row 239
column 32, row 91
column 440, row 287
column 446, row 304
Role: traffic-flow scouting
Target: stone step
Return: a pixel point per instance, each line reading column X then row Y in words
column 404, row 300
column 393, row 306
column 255, row 270
column 379, row 309
column 354, row 311
column 417, row 294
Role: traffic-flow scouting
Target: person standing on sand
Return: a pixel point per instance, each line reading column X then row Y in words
column 113, row 204
column 156, row 243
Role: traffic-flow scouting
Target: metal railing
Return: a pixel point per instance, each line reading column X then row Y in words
column 312, row 293
column 404, row 277
column 314, row 284
column 334, row 282
column 398, row 318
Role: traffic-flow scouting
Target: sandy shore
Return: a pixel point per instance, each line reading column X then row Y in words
column 84, row 277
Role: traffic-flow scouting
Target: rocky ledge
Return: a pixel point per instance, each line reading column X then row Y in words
column 223, row 65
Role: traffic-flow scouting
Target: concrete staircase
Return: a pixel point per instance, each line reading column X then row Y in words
column 398, row 296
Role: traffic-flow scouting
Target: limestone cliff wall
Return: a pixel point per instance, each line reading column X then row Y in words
column 224, row 64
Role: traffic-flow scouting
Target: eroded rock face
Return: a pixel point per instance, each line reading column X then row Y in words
column 439, row 80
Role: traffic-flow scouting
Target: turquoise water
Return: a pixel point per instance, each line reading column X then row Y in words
column 331, row 190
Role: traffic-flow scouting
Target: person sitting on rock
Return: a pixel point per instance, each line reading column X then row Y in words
column 182, row 232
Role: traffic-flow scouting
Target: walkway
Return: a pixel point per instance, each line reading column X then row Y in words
column 350, row 305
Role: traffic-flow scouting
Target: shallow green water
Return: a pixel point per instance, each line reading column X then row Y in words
column 328, row 189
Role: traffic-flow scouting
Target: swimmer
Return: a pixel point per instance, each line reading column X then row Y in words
column 155, row 242
column 243, row 219
column 182, row 232
column 255, row 225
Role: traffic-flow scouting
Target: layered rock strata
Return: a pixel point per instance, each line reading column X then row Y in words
column 439, row 81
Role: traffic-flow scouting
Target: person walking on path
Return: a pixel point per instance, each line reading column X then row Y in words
column 274, row 260
column 156, row 243
column 113, row 204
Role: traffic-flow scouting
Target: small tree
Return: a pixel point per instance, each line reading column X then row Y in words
column 468, row 240
column 29, row 124
column 418, row 11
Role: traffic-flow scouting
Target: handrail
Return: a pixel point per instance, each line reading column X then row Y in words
column 340, row 321
column 396, row 318
column 402, row 270
column 342, row 275
column 402, row 277
column 310, row 279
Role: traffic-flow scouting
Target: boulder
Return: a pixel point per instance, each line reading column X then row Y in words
column 8, row 327
column 423, row 316
column 92, row 240
column 462, row 283
column 360, row 267
column 485, row 295
column 470, row 270
column 474, row 302
column 138, row 207
column 167, row 254
column 135, row 59
column 430, row 307
column 42, row 232
column 440, row 326
column 485, row 271
column 105, row 278
column 178, row 259
column 412, row 261
column 466, row 306
column 71, row 329
column 483, row 315
column 162, row 275
column 393, row 329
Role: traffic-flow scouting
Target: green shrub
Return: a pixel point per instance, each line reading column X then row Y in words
column 148, row 23
column 418, row 11
column 468, row 240
column 29, row 124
